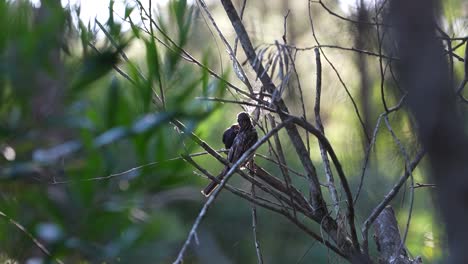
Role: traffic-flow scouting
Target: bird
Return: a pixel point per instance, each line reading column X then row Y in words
column 245, row 138
column 229, row 135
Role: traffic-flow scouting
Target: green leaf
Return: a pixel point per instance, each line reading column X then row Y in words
column 93, row 68
column 113, row 103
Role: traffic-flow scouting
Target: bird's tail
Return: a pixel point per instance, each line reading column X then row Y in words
column 213, row 184
column 209, row 188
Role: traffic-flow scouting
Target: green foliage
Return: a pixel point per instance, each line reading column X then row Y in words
column 65, row 184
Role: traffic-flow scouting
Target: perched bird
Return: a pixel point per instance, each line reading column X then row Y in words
column 229, row 135
column 245, row 138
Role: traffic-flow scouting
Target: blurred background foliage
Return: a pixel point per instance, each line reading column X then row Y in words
column 90, row 160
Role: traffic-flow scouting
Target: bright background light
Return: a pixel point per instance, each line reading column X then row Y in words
column 99, row 9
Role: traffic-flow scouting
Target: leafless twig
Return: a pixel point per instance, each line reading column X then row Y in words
column 388, row 198
column 318, row 122
column 356, row 110
column 254, row 228
column 31, row 236
column 216, row 192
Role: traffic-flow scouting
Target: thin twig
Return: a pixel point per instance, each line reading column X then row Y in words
column 407, row 164
column 254, row 228
column 268, row 206
column 236, row 65
column 282, row 160
column 423, row 185
column 462, row 84
column 345, row 18
column 367, row 156
column 318, row 123
column 31, row 236
column 353, row 49
column 344, row 182
column 449, row 52
column 236, row 42
column 132, row 170
column 388, row 198
column 318, row 202
column 382, row 73
column 356, row 110
column 116, row 68
column 237, row 102
column 292, row 60
column 373, row 140
column 216, row 192
column 281, row 165
column 188, row 57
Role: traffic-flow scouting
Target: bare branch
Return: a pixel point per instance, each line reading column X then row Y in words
column 356, row 110
column 216, row 192
column 388, row 198
column 462, row 84
column 254, row 228
column 30, row 236
column 236, row 65
column 344, row 181
column 345, row 18
column 318, row 123
column 423, row 185
column 388, row 239
column 317, row 199
column 282, row 159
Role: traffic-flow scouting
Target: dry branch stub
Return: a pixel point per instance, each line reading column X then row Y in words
column 388, row 240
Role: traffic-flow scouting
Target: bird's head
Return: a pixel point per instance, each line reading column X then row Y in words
column 244, row 120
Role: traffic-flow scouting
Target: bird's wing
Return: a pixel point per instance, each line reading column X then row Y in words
column 237, row 149
column 243, row 141
column 251, row 138
column 225, row 136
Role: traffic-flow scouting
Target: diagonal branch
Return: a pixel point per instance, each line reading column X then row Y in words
column 318, row 122
column 317, row 199
column 31, row 236
column 270, row 206
column 344, row 182
column 223, row 182
column 388, row 198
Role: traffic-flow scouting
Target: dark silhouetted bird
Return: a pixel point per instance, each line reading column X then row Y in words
column 229, row 135
column 245, row 138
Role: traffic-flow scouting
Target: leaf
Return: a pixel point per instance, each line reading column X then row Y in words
column 93, row 68
column 113, row 102
column 128, row 11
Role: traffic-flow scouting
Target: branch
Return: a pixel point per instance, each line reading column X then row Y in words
column 356, row 110
column 423, row 185
column 462, row 84
column 353, row 49
column 254, row 228
column 31, row 236
column 270, row 206
column 186, row 55
column 388, row 240
column 223, row 182
column 318, row 123
column 236, row 65
column 282, row 159
column 345, row 18
column 317, row 199
column 388, row 198
column 344, row 182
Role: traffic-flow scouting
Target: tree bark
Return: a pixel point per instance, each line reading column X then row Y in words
column 424, row 73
